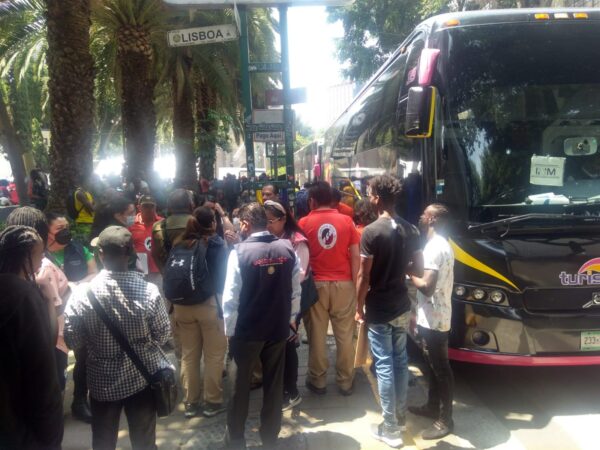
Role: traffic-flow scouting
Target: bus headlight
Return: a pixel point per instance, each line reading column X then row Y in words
column 497, row 296
column 478, row 294
column 460, row 291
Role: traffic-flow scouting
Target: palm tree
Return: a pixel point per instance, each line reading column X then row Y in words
column 71, row 90
column 137, row 28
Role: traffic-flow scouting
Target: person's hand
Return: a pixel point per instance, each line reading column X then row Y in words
column 219, row 210
column 231, row 237
column 359, row 316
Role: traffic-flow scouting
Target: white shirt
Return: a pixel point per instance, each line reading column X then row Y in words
column 435, row 312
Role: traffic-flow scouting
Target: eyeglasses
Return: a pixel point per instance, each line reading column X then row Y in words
column 272, row 221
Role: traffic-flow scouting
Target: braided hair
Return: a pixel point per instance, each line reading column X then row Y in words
column 16, row 244
column 30, row 217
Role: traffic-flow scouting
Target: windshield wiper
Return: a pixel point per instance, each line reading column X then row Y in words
column 533, row 216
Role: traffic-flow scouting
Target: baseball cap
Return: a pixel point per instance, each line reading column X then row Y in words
column 114, row 236
column 147, row 200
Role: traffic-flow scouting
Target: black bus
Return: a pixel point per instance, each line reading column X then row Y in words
column 497, row 115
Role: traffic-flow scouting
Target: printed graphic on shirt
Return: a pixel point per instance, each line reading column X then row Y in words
column 327, row 236
column 271, row 270
column 148, row 243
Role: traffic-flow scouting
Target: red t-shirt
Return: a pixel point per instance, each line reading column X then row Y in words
column 330, row 235
column 345, row 209
column 142, row 239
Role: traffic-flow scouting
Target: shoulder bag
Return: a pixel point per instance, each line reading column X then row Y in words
column 162, row 383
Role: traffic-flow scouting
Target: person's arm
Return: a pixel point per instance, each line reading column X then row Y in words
column 85, row 202
column 362, row 286
column 227, row 225
column 231, row 293
column 427, row 283
column 296, row 293
column 74, row 331
column 304, row 257
column 158, row 251
column 416, row 265
column 355, row 261
column 160, row 327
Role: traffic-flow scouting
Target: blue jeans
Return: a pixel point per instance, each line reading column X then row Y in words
column 388, row 345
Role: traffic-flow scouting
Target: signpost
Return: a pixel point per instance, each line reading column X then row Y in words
column 270, row 136
column 202, row 35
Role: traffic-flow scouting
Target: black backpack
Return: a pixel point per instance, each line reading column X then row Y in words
column 186, row 279
column 72, row 211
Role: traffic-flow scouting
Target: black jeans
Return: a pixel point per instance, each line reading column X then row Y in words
column 62, row 361
column 290, row 373
column 80, row 374
column 272, row 357
column 140, row 410
column 441, row 379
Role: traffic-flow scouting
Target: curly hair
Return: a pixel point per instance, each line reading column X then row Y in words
column 386, row 187
column 16, row 245
column 364, row 212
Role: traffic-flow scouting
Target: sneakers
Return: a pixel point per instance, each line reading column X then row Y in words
column 383, row 433
column 438, row 430
column 316, row 390
column 424, row 411
column 191, row 410
column 212, row 409
column 290, row 402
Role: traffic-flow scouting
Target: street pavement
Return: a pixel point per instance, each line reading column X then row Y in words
column 494, row 408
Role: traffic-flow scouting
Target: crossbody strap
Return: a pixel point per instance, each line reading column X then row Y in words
column 118, row 335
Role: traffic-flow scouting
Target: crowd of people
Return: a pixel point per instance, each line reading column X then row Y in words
column 229, row 286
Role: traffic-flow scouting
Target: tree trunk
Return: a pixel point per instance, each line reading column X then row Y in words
column 183, row 129
column 14, row 149
column 71, row 89
column 137, row 101
column 206, row 129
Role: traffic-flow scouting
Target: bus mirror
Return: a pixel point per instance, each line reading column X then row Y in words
column 420, row 112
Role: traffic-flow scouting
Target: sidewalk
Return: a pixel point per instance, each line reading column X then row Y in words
column 329, row 422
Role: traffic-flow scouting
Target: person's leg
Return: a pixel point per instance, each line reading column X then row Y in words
column 140, row 410
column 316, row 321
column 273, row 361
column 380, row 339
column 342, row 311
column 290, row 372
column 80, row 407
column 187, row 320
column 244, row 355
column 442, row 377
column 215, row 346
column 433, row 397
column 399, row 336
column 105, row 424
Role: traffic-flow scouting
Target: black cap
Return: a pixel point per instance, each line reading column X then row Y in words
column 147, row 200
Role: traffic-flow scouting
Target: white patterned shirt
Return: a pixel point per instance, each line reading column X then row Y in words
column 435, row 312
column 137, row 309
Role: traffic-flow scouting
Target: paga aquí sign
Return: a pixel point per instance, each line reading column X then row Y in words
column 257, row 3
column 202, row 35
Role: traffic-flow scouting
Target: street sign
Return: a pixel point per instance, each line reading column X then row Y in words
column 267, row 116
column 264, row 67
column 270, row 136
column 202, row 35
column 254, row 3
column 274, row 97
column 264, row 127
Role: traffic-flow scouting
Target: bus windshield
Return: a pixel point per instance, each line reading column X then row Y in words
column 523, row 104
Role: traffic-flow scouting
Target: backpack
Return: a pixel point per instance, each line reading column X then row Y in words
column 186, row 279
column 72, row 211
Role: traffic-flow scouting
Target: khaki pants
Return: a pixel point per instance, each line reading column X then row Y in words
column 337, row 302
column 201, row 331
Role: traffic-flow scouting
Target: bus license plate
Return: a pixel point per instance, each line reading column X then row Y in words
column 590, row 340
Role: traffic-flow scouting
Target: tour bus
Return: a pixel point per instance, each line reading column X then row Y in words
column 496, row 114
column 307, row 160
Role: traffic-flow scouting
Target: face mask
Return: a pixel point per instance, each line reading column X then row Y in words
column 63, row 237
column 130, row 220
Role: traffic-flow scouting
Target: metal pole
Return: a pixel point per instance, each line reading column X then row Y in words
column 288, row 118
column 246, row 93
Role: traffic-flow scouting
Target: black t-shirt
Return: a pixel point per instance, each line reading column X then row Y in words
column 391, row 245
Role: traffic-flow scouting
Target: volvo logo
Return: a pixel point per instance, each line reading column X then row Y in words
column 595, row 301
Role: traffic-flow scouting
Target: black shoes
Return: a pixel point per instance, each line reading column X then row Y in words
column 424, row 411
column 346, row 392
column 438, row 430
column 316, row 390
column 81, row 410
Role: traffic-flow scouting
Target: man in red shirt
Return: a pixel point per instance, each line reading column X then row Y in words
column 141, row 231
column 334, row 258
column 342, row 208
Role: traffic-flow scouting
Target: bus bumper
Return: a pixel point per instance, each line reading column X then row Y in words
column 498, row 359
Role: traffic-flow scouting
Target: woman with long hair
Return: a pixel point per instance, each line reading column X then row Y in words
column 200, row 324
column 282, row 224
column 116, row 210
